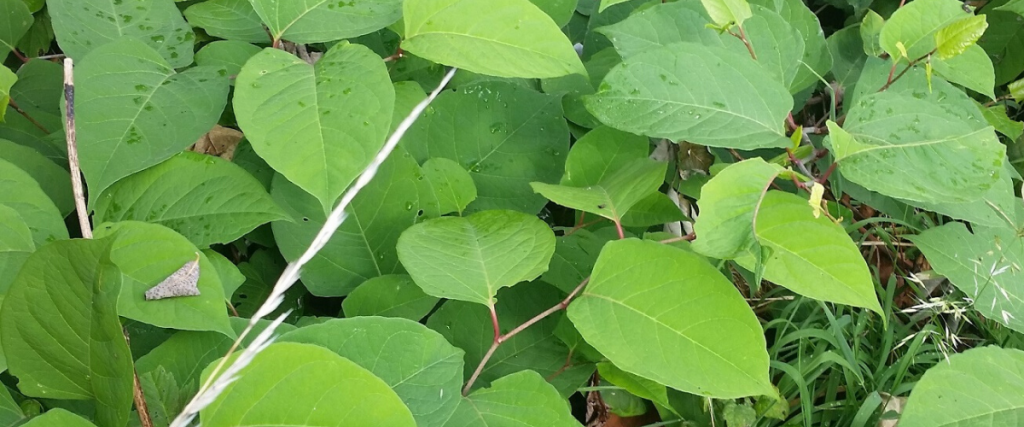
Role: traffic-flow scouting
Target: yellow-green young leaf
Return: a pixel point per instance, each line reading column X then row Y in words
column 915, row 24
column 422, row 368
column 979, row 387
column 7, row 79
column 870, row 30
column 318, row 21
column 504, row 38
column 60, row 329
column 648, row 306
column 1017, row 90
column 470, row 258
column 727, row 12
column 810, row 255
column 956, row 37
column 318, row 125
column 305, row 385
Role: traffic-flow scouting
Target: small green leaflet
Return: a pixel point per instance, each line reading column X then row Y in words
column 727, row 12
column 915, row 24
column 959, row 35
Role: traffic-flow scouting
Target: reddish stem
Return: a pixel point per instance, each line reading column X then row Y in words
column 743, row 38
column 494, row 323
column 827, row 173
column 19, row 55
column 618, row 227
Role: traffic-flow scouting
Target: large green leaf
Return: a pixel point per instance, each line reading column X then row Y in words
column 133, row 111
column 816, row 56
column 58, row 418
column 230, row 55
column 1004, row 42
column 504, row 38
column 51, row 177
column 82, row 26
column 470, row 258
column 971, row 69
column 393, row 295
column 147, row 254
column 811, row 256
column 305, row 385
column 228, row 19
column 725, row 225
column 320, row 125
column 522, row 399
column 364, row 246
column 667, row 315
column 982, row 265
column 505, row 135
column 918, row 145
column 204, row 198
column 600, row 152
column 423, row 369
column 915, row 24
column 615, row 194
column 15, row 20
column 686, row 91
column 24, row 195
column 316, row 21
column 60, row 329
column 15, row 246
column 662, row 25
column 537, row 348
column 779, row 47
column 980, row 387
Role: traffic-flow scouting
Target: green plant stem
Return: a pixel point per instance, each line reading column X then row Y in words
column 499, row 338
column 909, row 66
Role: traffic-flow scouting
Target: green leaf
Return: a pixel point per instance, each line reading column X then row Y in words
column 503, row 38
column 305, row 385
column 811, row 256
column 520, row 399
column 15, row 247
column 227, row 272
column 320, row 125
column 364, row 246
column 971, row 69
column 1017, row 90
column 638, row 386
column 686, row 91
column 60, row 329
column 53, row 179
column 727, row 12
column 915, row 24
column 608, row 3
column 654, row 209
column 449, row 187
column 228, row 19
column 560, row 11
column 957, row 36
column 1015, row 6
column 39, row 92
column 918, row 145
column 648, row 306
column 727, row 205
column 204, row 198
column 133, row 111
column 82, row 26
column 600, row 153
column 817, row 60
column 10, row 413
column 614, row 195
column 24, row 195
column 996, row 116
column 147, row 254
column 39, row 36
column 575, row 254
column 470, row 258
column 979, row 387
column 422, row 368
column 164, row 397
column 15, row 20
column 305, row 22
column 779, row 46
column 537, row 348
column 229, row 55
column 1004, row 42
column 393, row 295
column 982, row 265
column 661, row 25
column 870, row 32
column 58, row 418
column 505, row 135
column 261, row 272
column 7, row 79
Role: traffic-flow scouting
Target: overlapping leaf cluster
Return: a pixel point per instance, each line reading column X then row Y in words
column 669, row 132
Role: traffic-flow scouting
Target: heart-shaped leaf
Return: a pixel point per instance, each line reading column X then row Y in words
column 320, row 125
column 727, row 203
column 470, row 258
column 614, row 194
column 133, row 111
column 82, row 26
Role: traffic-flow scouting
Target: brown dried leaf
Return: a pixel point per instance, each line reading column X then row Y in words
column 219, row 141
